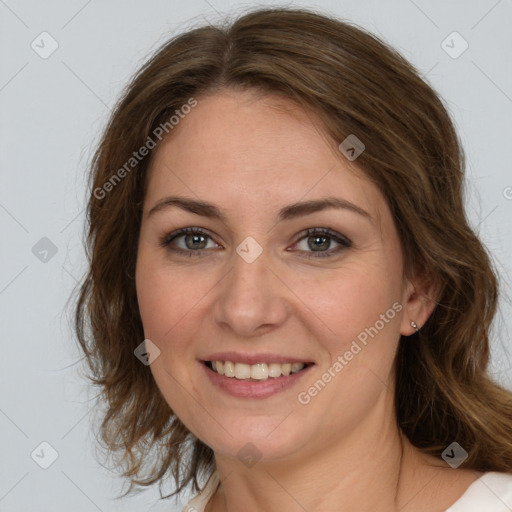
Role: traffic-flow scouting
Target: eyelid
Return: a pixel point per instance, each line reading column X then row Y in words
column 323, row 231
column 342, row 240
column 339, row 238
column 168, row 238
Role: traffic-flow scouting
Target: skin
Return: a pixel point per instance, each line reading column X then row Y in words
column 251, row 156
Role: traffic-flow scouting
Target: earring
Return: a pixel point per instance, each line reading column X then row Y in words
column 415, row 326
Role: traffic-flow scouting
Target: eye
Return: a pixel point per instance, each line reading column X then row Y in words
column 194, row 241
column 319, row 241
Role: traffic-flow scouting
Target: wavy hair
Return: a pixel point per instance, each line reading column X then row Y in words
column 357, row 84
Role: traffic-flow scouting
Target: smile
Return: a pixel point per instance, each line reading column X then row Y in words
column 260, row 371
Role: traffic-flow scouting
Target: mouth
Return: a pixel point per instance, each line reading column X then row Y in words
column 255, row 372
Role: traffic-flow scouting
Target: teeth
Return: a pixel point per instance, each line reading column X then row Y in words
column 242, row 371
column 295, row 367
column 219, row 367
column 260, row 371
column 274, row 370
column 229, row 368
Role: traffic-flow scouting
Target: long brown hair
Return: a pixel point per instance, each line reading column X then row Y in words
column 357, row 85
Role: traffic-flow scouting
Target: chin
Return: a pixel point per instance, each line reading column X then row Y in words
column 257, row 437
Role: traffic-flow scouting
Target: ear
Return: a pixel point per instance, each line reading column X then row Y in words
column 419, row 300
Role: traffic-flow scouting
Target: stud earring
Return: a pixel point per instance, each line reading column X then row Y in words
column 415, row 326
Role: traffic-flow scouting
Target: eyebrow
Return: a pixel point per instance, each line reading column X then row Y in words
column 291, row 211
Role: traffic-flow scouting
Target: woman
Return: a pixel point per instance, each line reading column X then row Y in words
column 284, row 294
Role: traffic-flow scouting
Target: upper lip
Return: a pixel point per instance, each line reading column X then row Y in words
column 239, row 357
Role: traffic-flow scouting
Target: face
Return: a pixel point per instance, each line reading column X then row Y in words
column 258, row 278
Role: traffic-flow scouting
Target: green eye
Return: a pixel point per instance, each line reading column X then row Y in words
column 195, row 242
column 319, row 239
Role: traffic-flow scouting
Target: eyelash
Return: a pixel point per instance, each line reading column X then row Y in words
column 344, row 242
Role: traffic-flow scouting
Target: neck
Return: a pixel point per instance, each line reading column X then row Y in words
column 334, row 475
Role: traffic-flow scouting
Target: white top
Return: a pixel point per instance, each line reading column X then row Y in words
column 492, row 492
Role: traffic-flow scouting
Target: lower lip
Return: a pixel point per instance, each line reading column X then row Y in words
column 253, row 388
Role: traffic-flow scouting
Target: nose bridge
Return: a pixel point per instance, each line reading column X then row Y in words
column 250, row 296
column 250, row 268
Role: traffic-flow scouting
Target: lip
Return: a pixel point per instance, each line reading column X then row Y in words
column 253, row 388
column 246, row 358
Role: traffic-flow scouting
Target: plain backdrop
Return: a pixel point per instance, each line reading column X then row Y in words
column 53, row 107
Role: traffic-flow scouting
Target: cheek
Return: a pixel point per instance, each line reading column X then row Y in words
column 161, row 308
column 172, row 305
column 166, row 303
column 155, row 303
column 359, row 311
column 166, row 298
column 358, row 316
column 350, row 301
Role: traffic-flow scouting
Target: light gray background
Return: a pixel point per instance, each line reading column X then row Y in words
column 52, row 111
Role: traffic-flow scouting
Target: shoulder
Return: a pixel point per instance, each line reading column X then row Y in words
column 491, row 492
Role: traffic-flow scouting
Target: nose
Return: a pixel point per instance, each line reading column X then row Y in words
column 251, row 300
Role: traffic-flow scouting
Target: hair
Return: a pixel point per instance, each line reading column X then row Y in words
column 356, row 84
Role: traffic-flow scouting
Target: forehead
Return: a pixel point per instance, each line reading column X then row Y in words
column 246, row 152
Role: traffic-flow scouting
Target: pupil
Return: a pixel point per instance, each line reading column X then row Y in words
column 316, row 245
column 195, row 239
